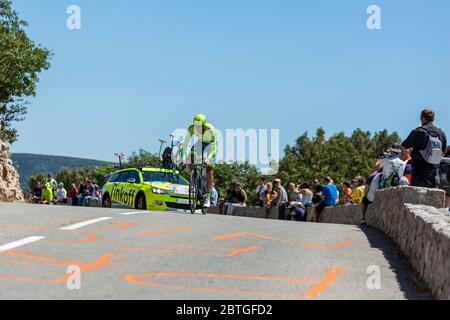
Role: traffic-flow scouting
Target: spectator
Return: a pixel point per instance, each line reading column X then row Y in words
column 306, row 195
column 260, row 192
column 47, row 194
column 424, row 173
column 89, row 193
column 230, row 197
column 406, row 157
column 96, row 194
column 270, row 197
column 338, row 194
column 73, row 194
column 214, row 196
column 53, row 184
column 241, row 199
column 61, row 194
column 445, row 176
column 347, row 193
column 82, row 192
column 329, row 195
column 300, row 213
column 373, row 184
column 293, row 193
column 37, row 192
column 406, row 179
column 392, row 167
column 317, row 198
column 52, row 181
column 281, row 200
column 360, row 186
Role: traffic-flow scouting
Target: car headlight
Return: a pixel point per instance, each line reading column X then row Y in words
column 159, row 191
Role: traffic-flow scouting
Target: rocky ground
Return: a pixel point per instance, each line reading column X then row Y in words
column 10, row 190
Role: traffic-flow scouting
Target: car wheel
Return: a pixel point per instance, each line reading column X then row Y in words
column 140, row 202
column 106, row 202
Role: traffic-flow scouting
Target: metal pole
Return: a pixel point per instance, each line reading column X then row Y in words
column 160, row 147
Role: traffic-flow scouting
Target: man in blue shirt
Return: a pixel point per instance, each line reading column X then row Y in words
column 329, row 196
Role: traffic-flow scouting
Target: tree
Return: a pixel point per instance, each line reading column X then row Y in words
column 97, row 174
column 244, row 173
column 340, row 157
column 21, row 61
column 142, row 158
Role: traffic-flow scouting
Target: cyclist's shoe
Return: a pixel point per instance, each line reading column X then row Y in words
column 363, row 222
column 207, row 203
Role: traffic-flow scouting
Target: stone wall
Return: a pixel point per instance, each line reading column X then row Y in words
column 252, row 212
column 348, row 214
column 412, row 219
column 10, row 190
column 385, row 202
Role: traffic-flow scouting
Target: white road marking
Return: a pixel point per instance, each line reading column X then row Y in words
column 85, row 223
column 19, row 243
column 130, row 213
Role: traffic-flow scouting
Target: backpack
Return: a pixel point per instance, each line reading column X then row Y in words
column 433, row 152
column 394, row 178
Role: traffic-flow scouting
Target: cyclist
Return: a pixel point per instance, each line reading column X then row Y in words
column 206, row 144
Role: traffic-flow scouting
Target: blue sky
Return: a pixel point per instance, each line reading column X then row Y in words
column 139, row 69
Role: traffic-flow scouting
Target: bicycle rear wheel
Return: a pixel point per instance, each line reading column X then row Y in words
column 193, row 193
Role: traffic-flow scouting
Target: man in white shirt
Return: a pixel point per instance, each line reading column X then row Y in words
column 61, row 194
column 391, row 164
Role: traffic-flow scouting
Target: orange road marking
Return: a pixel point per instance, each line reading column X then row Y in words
column 240, row 250
column 90, row 237
column 162, row 231
column 322, row 284
column 136, row 280
column 244, row 234
column 329, row 247
column 18, row 279
column 103, row 260
column 331, row 276
column 262, row 236
column 119, row 226
column 43, row 259
column 195, row 246
column 195, row 250
column 15, row 262
column 84, row 267
column 178, row 251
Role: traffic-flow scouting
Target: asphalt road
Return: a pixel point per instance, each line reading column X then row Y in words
column 124, row 254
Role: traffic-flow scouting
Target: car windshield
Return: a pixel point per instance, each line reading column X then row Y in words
column 163, row 177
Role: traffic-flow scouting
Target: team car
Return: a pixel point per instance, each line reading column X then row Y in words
column 147, row 189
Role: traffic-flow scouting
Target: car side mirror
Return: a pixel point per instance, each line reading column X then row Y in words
column 131, row 180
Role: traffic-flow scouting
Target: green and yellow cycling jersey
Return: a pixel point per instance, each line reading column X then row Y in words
column 208, row 136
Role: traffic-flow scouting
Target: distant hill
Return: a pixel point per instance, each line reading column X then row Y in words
column 31, row 164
